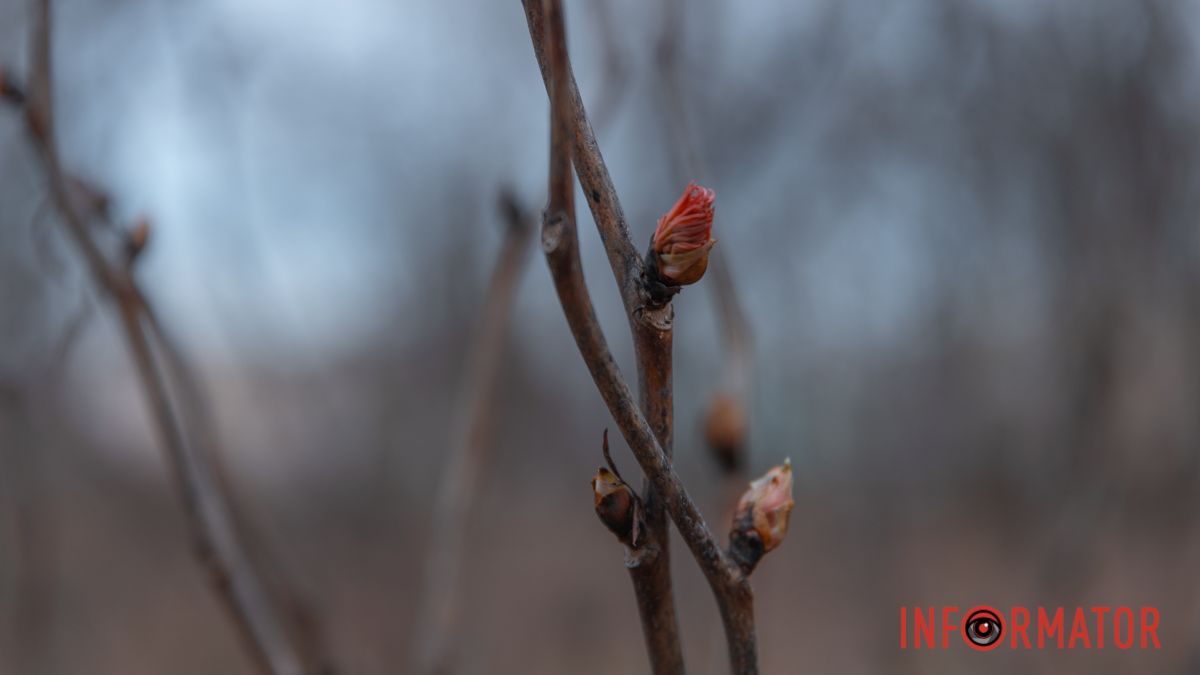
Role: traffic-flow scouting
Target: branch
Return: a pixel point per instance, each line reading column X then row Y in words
column 593, row 175
column 570, row 133
column 650, row 564
column 459, row 482
column 218, row 545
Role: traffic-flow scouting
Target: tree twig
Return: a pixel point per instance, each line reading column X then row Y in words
column 438, row 609
column 239, row 583
column 650, row 565
column 571, row 136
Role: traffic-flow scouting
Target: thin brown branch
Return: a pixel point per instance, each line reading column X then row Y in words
column 438, row 609
column 650, row 569
column 594, row 177
column 650, row 565
column 238, row 581
column 570, row 134
column 30, row 526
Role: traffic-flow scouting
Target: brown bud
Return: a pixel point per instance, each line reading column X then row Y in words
column 725, row 431
column 761, row 521
column 618, row 506
column 683, row 238
column 136, row 238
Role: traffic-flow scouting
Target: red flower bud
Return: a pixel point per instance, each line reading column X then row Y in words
column 683, row 237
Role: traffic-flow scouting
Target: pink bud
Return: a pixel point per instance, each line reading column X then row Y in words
column 766, row 506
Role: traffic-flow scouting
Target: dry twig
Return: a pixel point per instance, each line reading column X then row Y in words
column 572, row 139
column 219, row 545
column 464, row 463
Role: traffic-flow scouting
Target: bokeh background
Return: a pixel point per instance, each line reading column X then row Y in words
column 964, row 233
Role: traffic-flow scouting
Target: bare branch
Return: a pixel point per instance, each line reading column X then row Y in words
column 438, row 609
column 218, row 545
column 649, row 566
column 593, row 175
column 570, row 134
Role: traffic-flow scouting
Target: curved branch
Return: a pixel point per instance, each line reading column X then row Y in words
column 218, row 544
column 439, row 605
column 569, row 132
column 593, row 173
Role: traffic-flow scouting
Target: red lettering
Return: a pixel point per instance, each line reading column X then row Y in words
column 1150, row 627
column 947, row 625
column 1100, row 612
column 922, row 627
column 1020, row 626
column 1048, row 629
column 1128, row 620
column 1079, row 630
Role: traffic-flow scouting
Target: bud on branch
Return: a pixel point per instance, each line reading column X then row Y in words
column 761, row 521
column 135, row 239
column 678, row 253
column 617, row 505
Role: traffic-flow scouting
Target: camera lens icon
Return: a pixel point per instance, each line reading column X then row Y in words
column 983, row 628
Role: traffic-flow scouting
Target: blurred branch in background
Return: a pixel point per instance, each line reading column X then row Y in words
column 27, row 529
column 433, row 649
column 436, row 635
column 726, row 422
column 270, row 634
column 615, row 77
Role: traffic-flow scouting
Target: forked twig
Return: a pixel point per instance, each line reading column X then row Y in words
column 571, row 139
column 239, row 583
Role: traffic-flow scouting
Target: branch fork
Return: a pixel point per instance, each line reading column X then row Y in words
column 678, row 256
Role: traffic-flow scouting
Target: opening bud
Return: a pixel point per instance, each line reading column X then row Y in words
column 679, row 249
column 761, row 521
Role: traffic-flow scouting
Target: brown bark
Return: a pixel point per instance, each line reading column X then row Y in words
column 572, row 140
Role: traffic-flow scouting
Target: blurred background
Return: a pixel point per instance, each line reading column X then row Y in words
column 963, row 232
